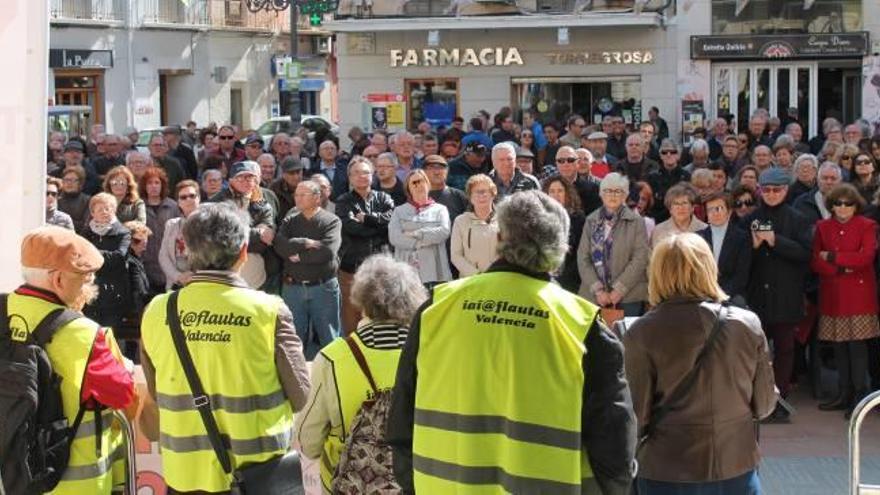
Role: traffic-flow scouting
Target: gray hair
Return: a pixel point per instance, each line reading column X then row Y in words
column 214, row 234
column 505, row 146
column 635, row 137
column 388, row 290
column 388, row 155
column 320, row 179
column 806, row 159
column 211, row 171
column 790, row 126
column 131, row 155
column 831, row 166
column 669, row 144
column 614, row 180
column 699, row 145
column 313, row 186
column 267, row 156
column 35, row 276
column 533, row 231
column 297, row 141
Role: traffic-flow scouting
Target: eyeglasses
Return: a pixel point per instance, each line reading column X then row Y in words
column 52, row 193
column 70, row 181
column 669, row 152
column 841, row 202
column 570, row 159
column 716, row 209
column 226, row 138
column 118, row 183
column 679, row 204
column 614, row 192
column 481, row 192
column 742, row 204
column 774, row 189
column 184, row 197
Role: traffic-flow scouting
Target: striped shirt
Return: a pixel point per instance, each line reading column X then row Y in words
column 383, row 335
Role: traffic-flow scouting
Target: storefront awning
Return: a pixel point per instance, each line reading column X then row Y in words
column 645, row 19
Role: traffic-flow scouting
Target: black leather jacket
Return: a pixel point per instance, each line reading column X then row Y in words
column 361, row 239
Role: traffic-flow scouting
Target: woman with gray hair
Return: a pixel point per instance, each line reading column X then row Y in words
column 806, row 170
column 680, row 200
column 613, row 252
column 388, row 292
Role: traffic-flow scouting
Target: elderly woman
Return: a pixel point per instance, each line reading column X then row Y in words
column 112, row 240
column 784, row 153
column 680, row 203
column 72, row 200
column 475, row 232
column 137, row 163
column 702, row 441
column 172, row 251
column 806, row 169
column 865, row 176
column 564, row 193
column 418, row 230
column 845, row 156
column 160, row 209
column 388, row 292
column 212, row 183
column 120, row 182
column 844, row 247
column 747, row 176
column 613, row 252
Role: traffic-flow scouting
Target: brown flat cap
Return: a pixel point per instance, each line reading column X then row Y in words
column 57, row 248
column 435, row 160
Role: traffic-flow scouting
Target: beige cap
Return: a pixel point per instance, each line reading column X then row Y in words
column 57, row 248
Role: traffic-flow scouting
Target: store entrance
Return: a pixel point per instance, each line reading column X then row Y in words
column 554, row 99
column 840, row 93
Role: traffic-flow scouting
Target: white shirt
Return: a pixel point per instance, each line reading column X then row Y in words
column 718, row 234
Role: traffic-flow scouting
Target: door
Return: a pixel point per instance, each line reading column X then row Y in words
column 852, row 95
column 740, row 89
column 235, row 107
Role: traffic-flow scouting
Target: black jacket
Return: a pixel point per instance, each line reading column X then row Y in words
column 184, row 154
column 569, row 277
column 805, row 204
column 608, row 426
column 660, row 181
column 360, row 240
column 778, row 274
column 112, row 279
column 734, row 261
column 339, row 182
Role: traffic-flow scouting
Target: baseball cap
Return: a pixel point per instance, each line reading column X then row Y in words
column 171, row 129
column 57, row 248
column 774, row 177
column 74, row 145
column 475, row 147
column 522, row 152
column 292, row 164
column 245, row 167
column 435, row 160
column 254, row 138
column 597, row 135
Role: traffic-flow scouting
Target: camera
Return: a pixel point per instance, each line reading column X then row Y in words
column 761, row 226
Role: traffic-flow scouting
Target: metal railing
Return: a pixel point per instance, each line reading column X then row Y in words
column 173, row 12
column 856, row 487
column 233, row 14
column 441, row 8
column 87, row 10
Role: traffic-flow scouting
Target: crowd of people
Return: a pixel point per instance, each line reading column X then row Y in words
column 790, row 223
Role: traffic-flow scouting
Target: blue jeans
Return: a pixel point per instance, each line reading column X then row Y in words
column 745, row 484
column 315, row 308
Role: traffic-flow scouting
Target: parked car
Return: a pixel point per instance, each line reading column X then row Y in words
column 282, row 124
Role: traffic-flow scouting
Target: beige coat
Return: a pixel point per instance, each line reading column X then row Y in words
column 473, row 243
column 629, row 258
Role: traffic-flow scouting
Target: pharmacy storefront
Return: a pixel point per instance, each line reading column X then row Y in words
column 396, row 79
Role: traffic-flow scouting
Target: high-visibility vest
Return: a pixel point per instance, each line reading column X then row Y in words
column 230, row 332
column 352, row 389
column 69, row 353
column 500, row 387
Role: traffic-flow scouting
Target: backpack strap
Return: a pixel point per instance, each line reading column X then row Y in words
column 362, row 362
column 56, row 319
column 4, row 317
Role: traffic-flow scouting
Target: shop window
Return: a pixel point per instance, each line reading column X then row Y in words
column 80, row 87
column 427, row 8
column 554, row 99
column 432, row 100
column 786, row 17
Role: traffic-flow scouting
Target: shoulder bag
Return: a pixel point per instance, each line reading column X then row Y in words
column 279, row 476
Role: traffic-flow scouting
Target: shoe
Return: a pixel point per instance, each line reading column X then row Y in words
column 780, row 415
column 840, row 403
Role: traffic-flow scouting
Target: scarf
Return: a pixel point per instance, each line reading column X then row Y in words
column 421, row 206
column 602, row 242
column 100, row 228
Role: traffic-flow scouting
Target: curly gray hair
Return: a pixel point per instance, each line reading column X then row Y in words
column 388, row 290
column 533, row 231
column 214, row 234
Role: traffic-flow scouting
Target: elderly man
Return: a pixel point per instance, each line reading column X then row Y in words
column 110, row 156
column 214, row 321
column 603, row 163
column 667, row 175
column 308, row 241
column 324, row 182
column 567, row 168
column 330, row 165
column 387, row 180
column 758, row 131
column 508, row 179
column 635, row 165
column 228, row 152
column 796, row 132
column 280, row 146
column 781, row 252
column 379, row 140
column 699, row 155
column 516, row 314
column 159, row 154
column 74, row 155
column 59, row 273
column 576, row 125
column 403, row 145
column 831, row 131
column 762, row 157
column 852, row 134
column 811, row 204
column 284, row 187
column 716, row 142
column 474, row 161
column 253, row 148
column 212, row 183
column 268, row 169
column 730, row 160
column 181, row 151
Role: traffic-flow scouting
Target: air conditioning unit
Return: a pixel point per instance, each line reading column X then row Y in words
column 324, row 45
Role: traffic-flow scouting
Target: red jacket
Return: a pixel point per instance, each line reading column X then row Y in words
column 847, row 286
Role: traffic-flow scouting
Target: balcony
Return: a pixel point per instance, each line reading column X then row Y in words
column 360, row 9
column 88, row 12
column 233, row 15
column 173, row 13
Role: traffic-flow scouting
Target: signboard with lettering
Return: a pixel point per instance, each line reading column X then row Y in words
column 780, row 46
column 62, row 58
column 602, row 57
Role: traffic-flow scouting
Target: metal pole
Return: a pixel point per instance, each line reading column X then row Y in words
column 293, row 93
column 856, row 487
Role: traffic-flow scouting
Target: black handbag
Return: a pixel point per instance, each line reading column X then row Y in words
column 279, row 476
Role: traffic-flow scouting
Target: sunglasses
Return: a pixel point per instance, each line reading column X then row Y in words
column 52, row 193
column 841, row 202
column 846, row 157
column 669, row 152
column 863, row 162
column 184, row 197
column 774, row 189
column 226, row 138
column 566, row 160
column 741, row 204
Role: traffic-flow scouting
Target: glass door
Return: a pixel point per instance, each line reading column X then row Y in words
column 740, row 89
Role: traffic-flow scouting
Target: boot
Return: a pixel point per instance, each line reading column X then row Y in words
column 857, row 397
column 842, row 402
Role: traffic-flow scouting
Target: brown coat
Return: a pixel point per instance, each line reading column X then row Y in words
column 710, row 434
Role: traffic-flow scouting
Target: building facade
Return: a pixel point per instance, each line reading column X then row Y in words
column 149, row 63
column 403, row 62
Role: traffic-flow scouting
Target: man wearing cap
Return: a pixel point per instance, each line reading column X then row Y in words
column 474, row 161
column 477, row 134
column 59, row 272
column 109, row 155
column 253, row 147
column 181, row 151
column 781, row 252
column 603, row 163
column 525, row 160
column 455, row 201
column 74, row 155
column 284, row 187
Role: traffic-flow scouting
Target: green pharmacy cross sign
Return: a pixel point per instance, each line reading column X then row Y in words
column 316, row 8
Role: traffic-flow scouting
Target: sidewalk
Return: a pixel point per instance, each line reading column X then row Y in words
column 810, row 455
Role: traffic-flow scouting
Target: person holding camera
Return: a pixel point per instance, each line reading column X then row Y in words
column 781, row 252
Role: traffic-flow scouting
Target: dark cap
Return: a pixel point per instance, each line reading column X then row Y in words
column 774, row 177
column 522, row 152
column 435, row 160
column 74, row 145
column 292, row 164
column 475, row 147
column 254, row 138
column 245, row 167
column 172, row 129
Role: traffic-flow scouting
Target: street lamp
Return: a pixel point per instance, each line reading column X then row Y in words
column 279, row 6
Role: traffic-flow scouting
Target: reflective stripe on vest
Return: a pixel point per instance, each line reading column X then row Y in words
column 69, row 353
column 352, row 388
column 77, row 473
column 230, row 332
column 500, row 387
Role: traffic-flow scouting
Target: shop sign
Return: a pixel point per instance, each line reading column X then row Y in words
column 780, row 46
column 610, row 57
column 62, row 58
column 456, row 57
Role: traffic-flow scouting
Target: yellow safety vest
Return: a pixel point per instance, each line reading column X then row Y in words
column 500, row 388
column 230, row 332
column 352, row 389
column 69, row 353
